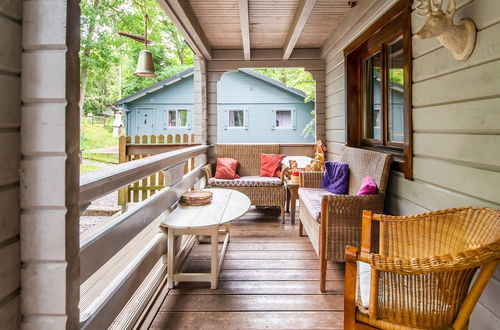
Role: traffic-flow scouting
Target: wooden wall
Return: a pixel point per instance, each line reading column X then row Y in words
column 10, row 103
column 456, row 122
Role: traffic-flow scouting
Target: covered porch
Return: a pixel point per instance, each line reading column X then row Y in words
column 446, row 155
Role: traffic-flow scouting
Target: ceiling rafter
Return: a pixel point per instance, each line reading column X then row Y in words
column 183, row 16
column 304, row 9
column 245, row 28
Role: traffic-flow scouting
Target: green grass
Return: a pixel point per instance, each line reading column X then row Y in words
column 102, row 158
column 97, row 136
column 89, row 168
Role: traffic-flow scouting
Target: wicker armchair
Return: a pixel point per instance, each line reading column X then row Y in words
column 421, row 275
column 335, row 222
column 261, row 191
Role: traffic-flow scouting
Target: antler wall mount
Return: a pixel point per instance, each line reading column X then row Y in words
column 459, row 39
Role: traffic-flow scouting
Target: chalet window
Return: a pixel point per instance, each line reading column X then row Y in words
column 177, row 118
column 378, row 88
column 236, row 118
column 283, row 118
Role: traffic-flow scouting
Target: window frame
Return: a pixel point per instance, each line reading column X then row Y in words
column 292, row 118
column 177, row 121
column 385, row 31
column 229, row 116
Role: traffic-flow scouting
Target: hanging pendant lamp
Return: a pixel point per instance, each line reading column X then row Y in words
column 145, row 65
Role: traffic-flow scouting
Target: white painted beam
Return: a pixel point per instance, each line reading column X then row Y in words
column 245, row 28
column 183, row 16
column 304, row 9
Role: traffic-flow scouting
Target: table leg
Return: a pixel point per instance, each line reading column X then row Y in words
column 293, row 199
column 215, row 260
column 287, row 203
column 170, row 258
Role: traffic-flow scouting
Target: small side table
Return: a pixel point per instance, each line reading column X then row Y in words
column 291, row 198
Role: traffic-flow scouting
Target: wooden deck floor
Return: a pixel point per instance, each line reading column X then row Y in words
column 269, row 279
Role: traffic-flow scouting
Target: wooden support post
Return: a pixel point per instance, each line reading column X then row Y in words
column 322, row 244
column 214, row 260
column 350, row 288
column 170, row 258
column 122, row 158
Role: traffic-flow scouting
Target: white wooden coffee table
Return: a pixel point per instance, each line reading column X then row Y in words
column 206, row 220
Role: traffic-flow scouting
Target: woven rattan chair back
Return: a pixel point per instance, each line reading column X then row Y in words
column 427, row 263
column 365, row 162
column 248, row 155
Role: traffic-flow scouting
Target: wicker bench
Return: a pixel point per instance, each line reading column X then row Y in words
column 262, row 191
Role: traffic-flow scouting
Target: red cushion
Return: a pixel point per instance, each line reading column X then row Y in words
column 270, row 164
column 226, row 168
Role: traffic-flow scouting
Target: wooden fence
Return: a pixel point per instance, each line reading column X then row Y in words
column 140, row 146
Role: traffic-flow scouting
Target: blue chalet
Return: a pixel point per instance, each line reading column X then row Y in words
column 252, row 108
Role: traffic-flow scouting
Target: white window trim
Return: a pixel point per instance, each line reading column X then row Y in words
column 177, row 118
column 293, row 115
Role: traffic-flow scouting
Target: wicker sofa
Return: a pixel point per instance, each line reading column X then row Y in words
column 333, row 221
column 262, row 191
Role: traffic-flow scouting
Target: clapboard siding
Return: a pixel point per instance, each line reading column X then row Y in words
column 10, row 95
column 456, row 122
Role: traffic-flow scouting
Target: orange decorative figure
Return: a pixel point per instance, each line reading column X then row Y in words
column 318, row 163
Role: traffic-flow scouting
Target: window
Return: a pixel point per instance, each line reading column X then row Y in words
column 236, row 118
column 284, row 119
column 378, row 66
column 177, row 118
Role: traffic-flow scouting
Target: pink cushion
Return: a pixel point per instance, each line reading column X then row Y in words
column 368, row 186
column 310, row 198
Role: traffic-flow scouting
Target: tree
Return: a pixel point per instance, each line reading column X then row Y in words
column 104, row 53
column 301, row 80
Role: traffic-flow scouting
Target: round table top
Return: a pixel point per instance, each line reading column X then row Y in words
column 226, row 205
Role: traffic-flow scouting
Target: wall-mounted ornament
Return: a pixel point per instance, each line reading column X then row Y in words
column 459, row 39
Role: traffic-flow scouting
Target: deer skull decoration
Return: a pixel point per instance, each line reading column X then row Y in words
column 459, row 39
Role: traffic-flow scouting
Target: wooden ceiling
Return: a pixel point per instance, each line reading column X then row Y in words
column 246, row 25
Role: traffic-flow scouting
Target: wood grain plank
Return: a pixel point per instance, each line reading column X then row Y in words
column 257, row 255
column 259, row 287
column 260, row 264
column 220, row 303
column 254, row 320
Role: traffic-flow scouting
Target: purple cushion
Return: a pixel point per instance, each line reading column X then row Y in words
column 368, row 186
column 310, row 198
column 336, row 178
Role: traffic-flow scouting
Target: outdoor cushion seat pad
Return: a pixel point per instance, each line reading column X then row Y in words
column 363, row 287
column 311, row 198
column 246, row 181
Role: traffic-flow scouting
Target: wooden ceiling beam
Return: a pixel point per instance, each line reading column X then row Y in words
column 183, row 16
column 245, row 28
column 304, row 9
column 276, row 54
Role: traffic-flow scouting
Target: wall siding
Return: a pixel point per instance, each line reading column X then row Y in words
column 10, row 104
column 456, row 122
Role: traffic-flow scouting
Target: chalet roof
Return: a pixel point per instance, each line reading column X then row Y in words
column 185, row 74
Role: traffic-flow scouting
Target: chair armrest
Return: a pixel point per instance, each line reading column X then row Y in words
column 311, row 179
column 208, row 171
column 339, row 203
column 350, row 287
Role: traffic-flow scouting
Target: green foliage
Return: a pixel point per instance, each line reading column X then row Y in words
column 102, row 158
column 301, row 80
column 97, row 136
column 84, row 168
column 104, row 53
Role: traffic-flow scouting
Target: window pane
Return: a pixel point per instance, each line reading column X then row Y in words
column 172, row 118
column 183, row 116
column 372, row 72
column 236, row 118
column 283, row 118
column 396, row 92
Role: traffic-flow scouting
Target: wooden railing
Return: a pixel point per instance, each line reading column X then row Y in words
column 132, row 148
column 106, row 241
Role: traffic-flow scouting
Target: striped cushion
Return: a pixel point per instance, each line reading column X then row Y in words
column 246, row 181
column 311, row 199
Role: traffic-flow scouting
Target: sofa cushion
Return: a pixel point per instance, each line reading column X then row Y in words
column 270, row 165
column 226, row 168
column 246, row 181
column 311, row 200
column 363, row 287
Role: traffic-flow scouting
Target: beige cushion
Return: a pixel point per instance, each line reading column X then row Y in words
column 246, row 181
column 311, row 199
column 363, row 287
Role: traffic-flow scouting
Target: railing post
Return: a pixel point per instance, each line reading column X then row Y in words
column 122, row 158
